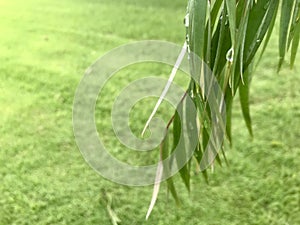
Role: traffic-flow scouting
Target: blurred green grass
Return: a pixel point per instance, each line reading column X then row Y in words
column 45, row 46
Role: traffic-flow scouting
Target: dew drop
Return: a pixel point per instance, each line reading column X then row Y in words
column 230, row 55
column 187, row 38
column 186, row 20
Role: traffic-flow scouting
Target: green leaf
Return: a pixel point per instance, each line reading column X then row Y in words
column 198, row 155
column 244, row 101
column 295, row 42
column 182, row 109
column 268, row 35
column 238, row 48
column 231, row 8
column 217, row 44
column 197, row 19
column 205, row 175
column 259, row 21
column 164, row 149
column 224, row 156
column 221, row 43
column 294, row 19
column 208, row 41
column 228, row 100
column 176, row 126
column 285, row 19
column 158, row 177
column 242, row 35
column 205, row 142
column 218, row 159
column 215, row 12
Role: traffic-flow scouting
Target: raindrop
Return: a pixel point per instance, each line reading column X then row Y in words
column 230, row 55
column 192, row 94
column 187, row 38
column 186, row 20
column 258, row 40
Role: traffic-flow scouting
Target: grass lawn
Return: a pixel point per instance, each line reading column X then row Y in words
column 45, row 47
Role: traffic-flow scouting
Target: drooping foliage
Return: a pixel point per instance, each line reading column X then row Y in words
column 228, row 36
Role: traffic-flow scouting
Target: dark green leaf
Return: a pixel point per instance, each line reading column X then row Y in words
column 285, row 19
column 294, row 20
column 197, row 19
column 215, row 12
column 164, row 148
column 231, row 8
column 268, row 35
column 259, row 21
column 295, row 42
column 228, row 100
column 244, row 101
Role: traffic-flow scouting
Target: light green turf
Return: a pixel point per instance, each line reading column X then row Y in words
column 45, row 46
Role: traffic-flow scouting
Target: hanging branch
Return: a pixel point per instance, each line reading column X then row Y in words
column 227, row 35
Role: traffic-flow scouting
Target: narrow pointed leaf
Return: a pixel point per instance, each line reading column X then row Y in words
column 285, row 19
column 295, row 42
column 268, row 35
column 294, row 19
column 231, row 8
column 177, row 128
column 228, row 99
column 166, row 167
column 168, row 85
column 215, row 12
column 217, row 47
column 159, row 173
column 244, row 101
column 197, row 19
column 260, row 18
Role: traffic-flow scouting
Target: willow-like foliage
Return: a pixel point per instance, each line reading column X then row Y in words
column 228, row 35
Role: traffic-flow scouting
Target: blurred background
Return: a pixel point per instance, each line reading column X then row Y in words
column 45, row 47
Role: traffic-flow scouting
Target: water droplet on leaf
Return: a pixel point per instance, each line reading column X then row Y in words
column 186, row 20
column 230, row 55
